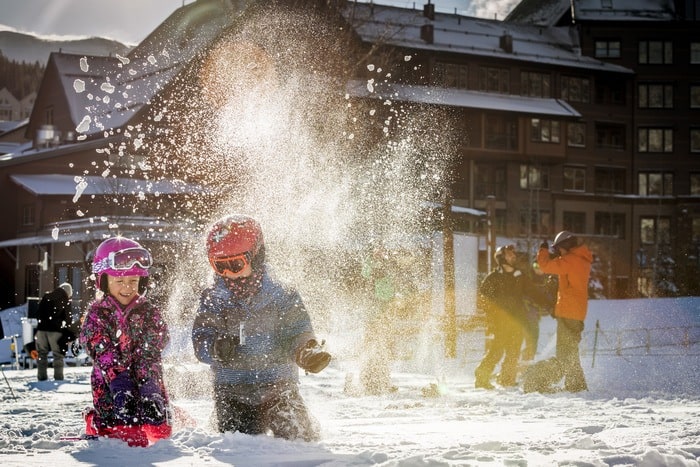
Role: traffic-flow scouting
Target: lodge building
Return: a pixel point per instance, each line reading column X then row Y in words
column 580, row 115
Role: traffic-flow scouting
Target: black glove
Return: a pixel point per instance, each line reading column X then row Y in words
column 224, row 348
column 311, row 357
column 544, row 245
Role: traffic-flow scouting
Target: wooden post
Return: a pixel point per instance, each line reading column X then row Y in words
column 449, row 273
column 491, row 240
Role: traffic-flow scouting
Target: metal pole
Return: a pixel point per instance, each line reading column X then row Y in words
column 595, row 342
column 8, row 383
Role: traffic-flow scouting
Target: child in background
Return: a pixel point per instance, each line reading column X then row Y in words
column 124, row 334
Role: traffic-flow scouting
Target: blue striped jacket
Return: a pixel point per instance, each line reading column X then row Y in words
column 271, row 326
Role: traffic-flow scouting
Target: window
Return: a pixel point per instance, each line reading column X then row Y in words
column 695, row 183
column 607, row 49
column 654, row 230
column 609, row 180
column 610, row 92
column 535, row 84
column 656, row 52
column 609, row 223
column 534, row 178
column 574, row 221
column 695, row 140
column 451, row 75
column 655, row 96
column 575, row 89
column 489, row 180
column 544, row 131
column 574, row 178
column 655, row 184
column 655, row 140
column 695, row 96
column 533, row 221
column 695, row 53
column 576, row 135
column 501, row 132
column 610, row 136
column 48, row 116
column 494, row 80
column 28, row 214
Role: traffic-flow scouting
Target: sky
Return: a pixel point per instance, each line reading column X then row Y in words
column 642, row 407
column 130, row 21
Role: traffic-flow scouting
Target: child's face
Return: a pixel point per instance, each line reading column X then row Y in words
column 124, row 289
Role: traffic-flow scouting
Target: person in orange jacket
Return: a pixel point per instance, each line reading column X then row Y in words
column 571, row 262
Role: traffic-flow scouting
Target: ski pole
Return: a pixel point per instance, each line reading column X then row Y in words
column 8, row 383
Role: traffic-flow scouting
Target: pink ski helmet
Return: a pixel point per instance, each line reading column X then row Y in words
column 120, row 256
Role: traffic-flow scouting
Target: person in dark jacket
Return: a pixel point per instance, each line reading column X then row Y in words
column 54, row 316
column 502, row 296
column 254, row 333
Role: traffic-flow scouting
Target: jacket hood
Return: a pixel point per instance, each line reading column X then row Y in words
column 583, row 252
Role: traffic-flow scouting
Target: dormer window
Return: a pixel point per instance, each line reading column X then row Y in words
column 606, row 4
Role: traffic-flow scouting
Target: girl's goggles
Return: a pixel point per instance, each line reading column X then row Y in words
column 123, row 260
column 231, row 264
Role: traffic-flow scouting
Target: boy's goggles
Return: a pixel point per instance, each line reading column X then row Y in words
column 231, row 264
column 123, row 260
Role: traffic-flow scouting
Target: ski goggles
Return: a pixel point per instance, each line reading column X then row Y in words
column 231, row 264
column 123, row 260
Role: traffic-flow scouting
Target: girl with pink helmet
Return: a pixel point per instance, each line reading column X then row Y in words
column 125, row 334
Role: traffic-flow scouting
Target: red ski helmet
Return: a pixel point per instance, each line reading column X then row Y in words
column 119, row 257
column 233, row 242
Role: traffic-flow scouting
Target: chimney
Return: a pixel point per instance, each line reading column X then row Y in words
column 427, row 33
column 506, row 42
column 429, row 11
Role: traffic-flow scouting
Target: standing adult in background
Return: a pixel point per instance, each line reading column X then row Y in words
column 571, row 262
column 502, row 296
column 53, row 316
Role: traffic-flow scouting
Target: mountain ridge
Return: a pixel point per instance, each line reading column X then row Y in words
column 20, row 46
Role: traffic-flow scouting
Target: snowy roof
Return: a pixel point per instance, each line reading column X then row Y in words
column 98, row 228
column 104, row 93
column 471, row 36
column 462, row 98
column 550, row 12
column 456, row 209
column 624, row 10
column 27, row 152
column 70, row 185
column 539, row 12
column 11, row 125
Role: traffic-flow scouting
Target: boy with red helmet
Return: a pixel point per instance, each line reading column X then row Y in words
column 124, row 334
column 254, row 333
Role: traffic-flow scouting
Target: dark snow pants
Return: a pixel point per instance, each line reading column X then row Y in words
column 568, row 339
column 507, row 340
column 47, row 341
column 283, row 414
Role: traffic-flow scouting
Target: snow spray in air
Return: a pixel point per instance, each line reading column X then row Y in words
column 340, row 186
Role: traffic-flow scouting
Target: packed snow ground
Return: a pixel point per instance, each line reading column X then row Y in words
column 642, row 408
